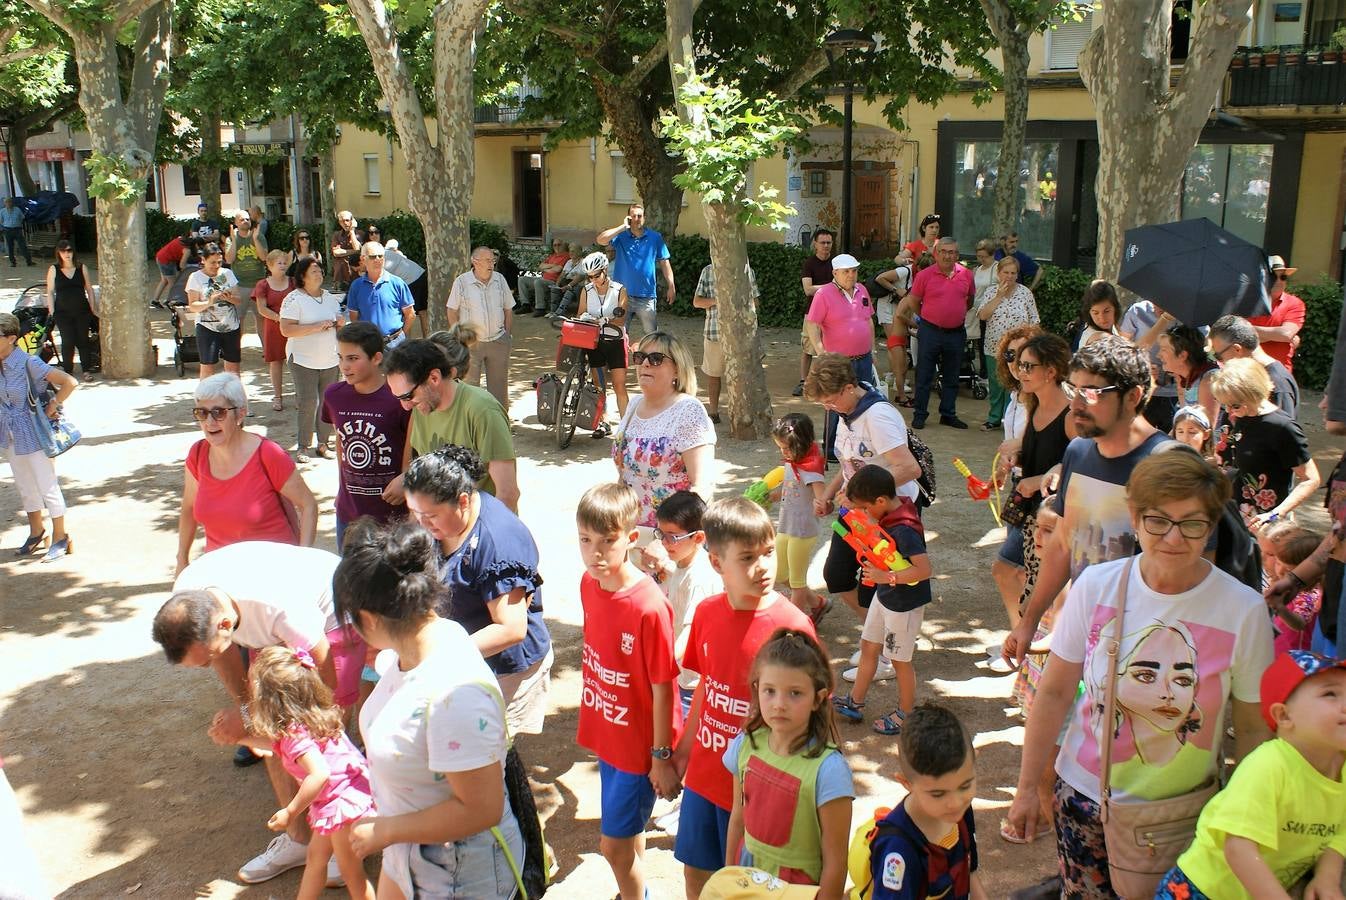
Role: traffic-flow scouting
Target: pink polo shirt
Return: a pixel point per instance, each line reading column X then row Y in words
column 944, row 298
column 847, row 322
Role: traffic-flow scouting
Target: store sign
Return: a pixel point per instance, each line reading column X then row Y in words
column 57, row 154
column 267, row 149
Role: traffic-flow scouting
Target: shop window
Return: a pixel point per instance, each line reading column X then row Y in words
column 1230, row 185
column 976, row 171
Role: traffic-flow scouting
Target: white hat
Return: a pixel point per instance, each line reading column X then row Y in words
column 1275, row 263
column 845, row 261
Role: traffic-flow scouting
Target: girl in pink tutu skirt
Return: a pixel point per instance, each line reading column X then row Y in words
column 294, row 716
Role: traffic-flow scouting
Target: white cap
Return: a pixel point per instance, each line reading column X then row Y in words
column 845, row 261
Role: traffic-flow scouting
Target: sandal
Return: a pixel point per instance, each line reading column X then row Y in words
column 324, row 451
column 989, row 425
column 890, row 724
column 823, row 608
column 1009, row 835
column 602, row 431
column 907, row 402
column 277, row 404
column 848, row 708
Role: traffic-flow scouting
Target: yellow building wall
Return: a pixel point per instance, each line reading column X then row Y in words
column 1318, row 215
column 578, row 183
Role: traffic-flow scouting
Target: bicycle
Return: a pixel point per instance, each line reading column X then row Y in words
column 578, row 336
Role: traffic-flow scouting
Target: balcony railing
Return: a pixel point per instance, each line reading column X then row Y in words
column 1287, row 76
column 495, row 114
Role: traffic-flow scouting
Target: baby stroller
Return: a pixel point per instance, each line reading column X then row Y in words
column 185, row 351
column 34, row 323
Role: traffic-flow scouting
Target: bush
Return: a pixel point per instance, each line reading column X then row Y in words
column 1058, row 296
column 160, row 228
column 1313, row 359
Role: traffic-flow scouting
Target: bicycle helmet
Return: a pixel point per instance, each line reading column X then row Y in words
column 595, row 263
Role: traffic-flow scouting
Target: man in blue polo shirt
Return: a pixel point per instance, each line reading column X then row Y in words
column 1030, row 273
column 637, row 250
column 381, row 297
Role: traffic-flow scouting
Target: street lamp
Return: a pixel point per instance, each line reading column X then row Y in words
column 5, row 132
column 839, row 43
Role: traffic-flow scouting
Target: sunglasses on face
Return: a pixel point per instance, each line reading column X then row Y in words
column 303, row 237
column 1010, row 355
column 214, row 413
column 1192, row 529
column 598, row 275
column 373, row 256
column 1090, row 395
column 406, row 398
column 1026, row 367
column 640, row 357
column 1282, row 277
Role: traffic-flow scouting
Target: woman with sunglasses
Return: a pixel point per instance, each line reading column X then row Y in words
column 71, row 302
column 1188, row 659
column 301, row 247
column 239, row 486
column 1004, row 305
column 604, row 301
column 34, row 472
column 1264, row 450
column 666, row 441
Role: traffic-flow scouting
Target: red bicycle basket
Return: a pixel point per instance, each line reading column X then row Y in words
column 579, row 334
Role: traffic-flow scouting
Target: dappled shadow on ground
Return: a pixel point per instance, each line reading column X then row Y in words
column 44, row 599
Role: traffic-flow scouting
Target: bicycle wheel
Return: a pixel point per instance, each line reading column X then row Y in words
column 568, row 410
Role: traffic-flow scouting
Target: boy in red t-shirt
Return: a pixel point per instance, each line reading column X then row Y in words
column 727, row 631
column 628, row 715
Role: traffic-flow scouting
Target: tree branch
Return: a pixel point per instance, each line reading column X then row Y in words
column 1214, row 37
column 651, row 59
column 149, row 77
column 132, row 11
column 8, row 57
column 807, row 70
column 53, row 12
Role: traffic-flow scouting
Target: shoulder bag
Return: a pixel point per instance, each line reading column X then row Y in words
column 53, row 437
column 1144, row 838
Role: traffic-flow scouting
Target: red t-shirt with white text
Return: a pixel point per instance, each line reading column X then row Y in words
column 628, row 648
column 721, row 648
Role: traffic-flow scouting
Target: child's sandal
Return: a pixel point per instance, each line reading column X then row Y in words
column 890, row 724
column 848, row 708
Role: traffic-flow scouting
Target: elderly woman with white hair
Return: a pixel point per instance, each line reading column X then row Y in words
column 239, row 486
column 34, row 473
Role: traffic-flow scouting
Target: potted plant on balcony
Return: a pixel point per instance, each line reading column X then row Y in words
column 1271, row 57
column 1253, row 56
column 1240, row 58
column 1292, row 55
column 1331, row 54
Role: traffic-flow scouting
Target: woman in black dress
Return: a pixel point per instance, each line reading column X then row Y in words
column 71, row 302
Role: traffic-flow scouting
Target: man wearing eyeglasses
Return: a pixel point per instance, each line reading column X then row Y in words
column 1279, row 330
column 1086, row 520
column 381, row 297
column 1233, row 337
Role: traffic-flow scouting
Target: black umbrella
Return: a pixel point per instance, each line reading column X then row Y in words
column 1196, row 271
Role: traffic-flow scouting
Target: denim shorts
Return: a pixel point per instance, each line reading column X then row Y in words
column 703, row 832
column 626, row 802
column 168, row 270
column 212, row 346
column 474, row 867
column 1012, row 550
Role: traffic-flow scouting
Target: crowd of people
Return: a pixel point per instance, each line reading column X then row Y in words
column 1160, row 596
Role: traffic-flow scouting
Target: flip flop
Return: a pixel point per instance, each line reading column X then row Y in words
column 1008, row 834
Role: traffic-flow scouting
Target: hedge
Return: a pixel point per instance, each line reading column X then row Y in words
column 161, row 228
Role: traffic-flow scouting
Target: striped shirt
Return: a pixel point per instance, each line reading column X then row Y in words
column 17, row 425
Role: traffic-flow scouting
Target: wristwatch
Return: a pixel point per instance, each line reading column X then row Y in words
column 663, row 753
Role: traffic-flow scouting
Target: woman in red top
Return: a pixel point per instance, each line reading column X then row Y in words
column 269, row 293
column 171, row 258
column 929, row 232
column 239, row 486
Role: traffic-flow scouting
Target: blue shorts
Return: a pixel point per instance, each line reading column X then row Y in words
column 168, row 270
column 1012, row 550
column 703, row 832
column 212, row 346
column 1177, row 886
column 627, row 800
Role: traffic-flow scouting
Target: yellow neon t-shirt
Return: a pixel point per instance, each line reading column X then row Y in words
column 1278, row 800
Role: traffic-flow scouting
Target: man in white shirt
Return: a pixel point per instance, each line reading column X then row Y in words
column 480, row 297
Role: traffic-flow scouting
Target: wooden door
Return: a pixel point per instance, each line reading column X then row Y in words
column 871, row 209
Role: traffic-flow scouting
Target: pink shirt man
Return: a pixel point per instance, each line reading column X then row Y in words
column 944, row 298
column 847, row 322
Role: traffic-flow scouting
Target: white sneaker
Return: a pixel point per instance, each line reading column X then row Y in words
column 334, row 879
column 854, row 660
column 884, row 672
column 280, row 856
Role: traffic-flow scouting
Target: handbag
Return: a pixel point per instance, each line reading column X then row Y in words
column 1016, row 508
column 53, row 437
column 1144, row 838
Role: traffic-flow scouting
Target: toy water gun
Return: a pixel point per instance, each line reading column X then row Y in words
column 760, row 490
column 870, row 542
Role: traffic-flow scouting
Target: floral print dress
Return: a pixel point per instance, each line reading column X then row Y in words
column 649, row 451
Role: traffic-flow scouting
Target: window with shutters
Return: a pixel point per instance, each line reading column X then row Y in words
column 623, row 185
column 1064, row 42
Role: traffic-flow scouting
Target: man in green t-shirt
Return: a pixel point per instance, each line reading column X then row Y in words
column 424, row 375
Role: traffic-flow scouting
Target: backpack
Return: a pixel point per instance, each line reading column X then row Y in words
column 858, row 856
column 926, row 460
